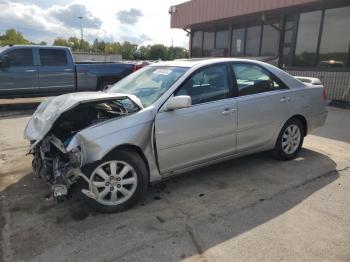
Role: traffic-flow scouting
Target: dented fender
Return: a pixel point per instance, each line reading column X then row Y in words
column 97, row 141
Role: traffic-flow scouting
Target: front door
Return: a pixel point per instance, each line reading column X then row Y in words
column 263, row 105
column 19, row 76
column 205, row 131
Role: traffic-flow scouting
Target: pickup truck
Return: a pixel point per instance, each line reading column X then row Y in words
column 50, row 70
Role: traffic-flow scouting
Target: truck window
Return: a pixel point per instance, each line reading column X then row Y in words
column 53, row 57
column 21, row 57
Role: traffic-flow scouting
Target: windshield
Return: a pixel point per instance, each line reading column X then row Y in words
column 149, row 83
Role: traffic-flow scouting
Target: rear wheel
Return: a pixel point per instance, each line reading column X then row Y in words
column 104, row 84
column 290, row 140
column 117, row 182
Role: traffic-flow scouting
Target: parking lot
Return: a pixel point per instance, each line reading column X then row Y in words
column 248, row 209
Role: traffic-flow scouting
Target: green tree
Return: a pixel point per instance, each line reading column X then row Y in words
column 177, row 52
column 13, row 37
column 74, row 43
column 158, row 51
column 128, row 50
column 98, row 46
column 61, row 42
column 113, row 48
column 143, row 52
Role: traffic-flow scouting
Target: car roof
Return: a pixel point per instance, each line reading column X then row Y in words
column 202, row 61
column 33, row 46
column 196, row 63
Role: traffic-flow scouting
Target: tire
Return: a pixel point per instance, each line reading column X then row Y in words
column 290, row 140
column 117, row 199
column 103, row 85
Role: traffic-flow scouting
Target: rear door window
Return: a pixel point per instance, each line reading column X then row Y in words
column 20, row 57
column 53, row 57
column 253, row 79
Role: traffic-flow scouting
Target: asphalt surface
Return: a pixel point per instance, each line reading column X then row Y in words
column 249, row 209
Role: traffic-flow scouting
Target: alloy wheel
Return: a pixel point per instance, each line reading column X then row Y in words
column 291, row 139
column 113, row 182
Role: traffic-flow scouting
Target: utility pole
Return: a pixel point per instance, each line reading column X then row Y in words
column 81, row 32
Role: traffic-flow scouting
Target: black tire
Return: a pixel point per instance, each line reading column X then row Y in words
column 104, row 83
column 136, row 162
column 278, row 151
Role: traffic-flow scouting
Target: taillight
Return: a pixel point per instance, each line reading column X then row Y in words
column 325, row 94
column 136, row 67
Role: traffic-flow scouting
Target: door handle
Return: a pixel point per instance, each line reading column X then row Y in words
column 67, row 70
column 228, row 111
column 30, row 71
column 285, row 99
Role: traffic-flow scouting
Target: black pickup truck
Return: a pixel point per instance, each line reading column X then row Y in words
column 44, row 70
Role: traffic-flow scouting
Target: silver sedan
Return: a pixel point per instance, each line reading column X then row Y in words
column 166, row 119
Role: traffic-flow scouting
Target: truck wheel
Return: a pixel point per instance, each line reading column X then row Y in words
column 290, row 140
column 103, row 85
column 117, row 182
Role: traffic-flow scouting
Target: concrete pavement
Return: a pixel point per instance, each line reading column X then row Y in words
column 249, row 209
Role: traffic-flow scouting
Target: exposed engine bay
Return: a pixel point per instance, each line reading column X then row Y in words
column 52, row 161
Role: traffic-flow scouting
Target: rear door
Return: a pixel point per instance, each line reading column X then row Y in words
column 263, row 105
column 20, row 76
column 205, row 131
column 56, row 71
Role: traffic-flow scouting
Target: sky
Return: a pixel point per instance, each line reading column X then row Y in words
column 139, row 21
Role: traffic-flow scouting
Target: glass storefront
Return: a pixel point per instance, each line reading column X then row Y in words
column 238, row 42
column 307, row 39
column 335, row 41
column 270, row 40
column 314, row 38
column 252, row 46
column 221, row 42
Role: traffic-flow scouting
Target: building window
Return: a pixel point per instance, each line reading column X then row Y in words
column 238, row 42
column 197, row 43
column 208, row 43
column 221, row 42
column 270, row 40
column 289, row 28
column 335, row 43
column 307, row 38
column 253, row 41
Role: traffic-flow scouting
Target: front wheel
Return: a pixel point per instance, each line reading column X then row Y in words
column 290, row 140
column 117, row 182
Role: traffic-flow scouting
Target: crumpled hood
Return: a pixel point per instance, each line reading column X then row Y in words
column 51, row 108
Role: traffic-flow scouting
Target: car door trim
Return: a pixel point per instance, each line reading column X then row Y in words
column 186, row 142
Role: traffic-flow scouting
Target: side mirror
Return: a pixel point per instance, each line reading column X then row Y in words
column 178, row 102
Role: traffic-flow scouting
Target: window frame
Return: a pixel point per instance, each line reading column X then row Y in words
column 22, row 48
column 53, row 49
column 232, row 88
column 271, row 75
column 322, row 8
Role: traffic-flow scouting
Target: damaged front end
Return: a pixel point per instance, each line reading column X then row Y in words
column 60, row 167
